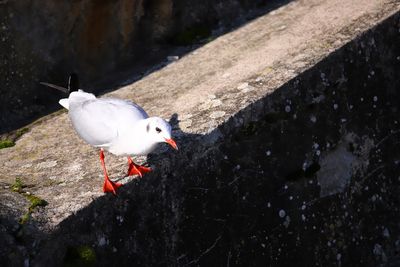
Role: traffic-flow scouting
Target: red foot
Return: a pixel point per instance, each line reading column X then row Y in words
column 110, row 186
column 134, row 169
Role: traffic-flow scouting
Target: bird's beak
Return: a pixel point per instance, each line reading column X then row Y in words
column 172, row 143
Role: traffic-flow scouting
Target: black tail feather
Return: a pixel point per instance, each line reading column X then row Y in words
column 73, row 84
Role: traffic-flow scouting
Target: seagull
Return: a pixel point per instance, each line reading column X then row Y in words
column 119, row 126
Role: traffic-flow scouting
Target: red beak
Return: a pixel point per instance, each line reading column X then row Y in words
column 172, row 143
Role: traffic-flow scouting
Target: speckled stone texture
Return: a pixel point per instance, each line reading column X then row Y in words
column 289, row 161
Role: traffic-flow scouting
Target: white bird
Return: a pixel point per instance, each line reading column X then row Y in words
column 118, row 126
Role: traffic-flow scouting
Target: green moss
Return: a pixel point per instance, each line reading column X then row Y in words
column 250, row 129
column 35, row 202
column 80, row 256
column 21, row 132
column 17, row 186
column 9, row 139
column 6, row 143
column 25, row 218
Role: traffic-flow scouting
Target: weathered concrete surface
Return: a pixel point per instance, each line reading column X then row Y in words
column 47, row 40
column 215, row 202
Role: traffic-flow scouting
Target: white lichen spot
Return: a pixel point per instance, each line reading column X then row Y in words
column 328, row 145
column 386, row 233
column 217, row 114
column 335, row 106
column 287, row 109
column 28, row 165
column 282, row 213
column 268, row 153
column 378, row 251
column 362, row 99
column 287, row 221
column 243, row 86
column 304, row 166
column 343, row 120
column 303, row 217
column 269, row 205
column 375, row 98
column 172, row 58
column 286, row 187
column 318, row 152
column 338, row 256
column 313, row 118
column 318, row 99
column 216, row 103
column 290, row 197
column 46, row 164
column 120, row 219
column 102, row 241
column 303, row 207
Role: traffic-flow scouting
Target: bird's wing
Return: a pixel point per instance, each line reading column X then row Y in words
column 129, row 110
column 99, row 121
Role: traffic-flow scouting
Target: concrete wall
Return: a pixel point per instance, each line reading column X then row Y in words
column 314, row 180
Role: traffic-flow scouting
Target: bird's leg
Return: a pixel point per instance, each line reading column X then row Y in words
column 133, row 168
column 108, row 186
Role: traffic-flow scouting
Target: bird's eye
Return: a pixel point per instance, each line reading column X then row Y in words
column 158, row 130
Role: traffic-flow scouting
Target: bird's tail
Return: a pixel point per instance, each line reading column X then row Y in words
column 75, row 94
column 76, row 97
column 64, row 102
column 73, row 84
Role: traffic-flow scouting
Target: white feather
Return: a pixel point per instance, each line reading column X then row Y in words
column 64, row 102
column 120, row 126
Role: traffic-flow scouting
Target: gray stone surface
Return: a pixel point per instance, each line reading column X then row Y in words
column 258, row 126
column 47, row 40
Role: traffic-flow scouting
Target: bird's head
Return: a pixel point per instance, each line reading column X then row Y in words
column 160, row 131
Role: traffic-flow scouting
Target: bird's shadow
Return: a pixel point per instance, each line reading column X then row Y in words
column 163, row 151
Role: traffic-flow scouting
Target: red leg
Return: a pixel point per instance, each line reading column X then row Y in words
column 133, row 168
column 108, row 186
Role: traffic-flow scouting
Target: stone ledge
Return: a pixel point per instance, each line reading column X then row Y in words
column 212, row 103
